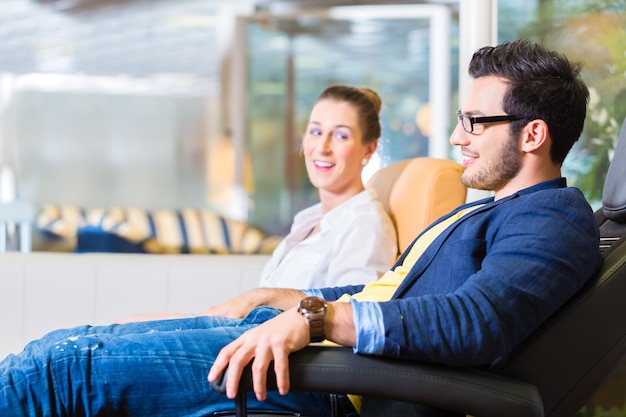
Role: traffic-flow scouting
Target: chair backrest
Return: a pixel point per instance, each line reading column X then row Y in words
column 574, row 351
column 417, row 191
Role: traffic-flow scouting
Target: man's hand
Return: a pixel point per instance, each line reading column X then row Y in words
column 273, row 340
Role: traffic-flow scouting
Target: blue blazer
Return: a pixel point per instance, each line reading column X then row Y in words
column 492, row 277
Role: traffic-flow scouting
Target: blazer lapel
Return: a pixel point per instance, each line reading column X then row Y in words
column 429, row 254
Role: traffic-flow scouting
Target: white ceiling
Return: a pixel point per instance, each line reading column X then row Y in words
column 131, row 38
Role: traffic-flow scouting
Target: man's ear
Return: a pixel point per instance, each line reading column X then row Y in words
column 535, row 135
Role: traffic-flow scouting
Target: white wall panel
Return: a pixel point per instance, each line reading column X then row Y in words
column 40, row 292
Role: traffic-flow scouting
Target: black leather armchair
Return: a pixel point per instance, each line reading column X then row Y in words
column 553, row 373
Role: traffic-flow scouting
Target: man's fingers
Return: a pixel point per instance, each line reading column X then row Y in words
column 271, row 341
column 219, row 365
column 259, row 374
column 281, row 368
column 260, row 366
column 227, row 359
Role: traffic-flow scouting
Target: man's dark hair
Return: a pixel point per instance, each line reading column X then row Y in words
column 543, row 84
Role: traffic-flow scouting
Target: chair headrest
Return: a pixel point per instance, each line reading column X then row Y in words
column 614, row 192
column 417, row 191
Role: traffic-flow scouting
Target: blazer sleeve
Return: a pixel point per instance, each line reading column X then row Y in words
column 495, row 279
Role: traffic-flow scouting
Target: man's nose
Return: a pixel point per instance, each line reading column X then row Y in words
column 459, row 136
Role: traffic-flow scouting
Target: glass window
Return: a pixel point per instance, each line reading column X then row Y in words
column 291, row 60
column 592, row 32
column 107, row 104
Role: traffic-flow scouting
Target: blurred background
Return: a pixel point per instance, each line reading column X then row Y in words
column 165, row 104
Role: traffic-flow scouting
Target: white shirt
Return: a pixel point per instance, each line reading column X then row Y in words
column 356, row 244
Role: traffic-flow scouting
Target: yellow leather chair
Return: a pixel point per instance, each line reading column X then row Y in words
column 417, row 191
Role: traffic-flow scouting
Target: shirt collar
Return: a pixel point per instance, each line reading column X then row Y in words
column 312, row 215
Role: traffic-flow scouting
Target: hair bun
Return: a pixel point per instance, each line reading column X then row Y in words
column 373, row 96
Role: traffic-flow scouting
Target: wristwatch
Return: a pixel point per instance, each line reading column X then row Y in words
column 314, row 310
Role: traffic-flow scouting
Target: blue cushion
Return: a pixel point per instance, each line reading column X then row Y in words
column 96, row 239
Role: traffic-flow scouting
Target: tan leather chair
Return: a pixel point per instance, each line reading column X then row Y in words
column 417, row 191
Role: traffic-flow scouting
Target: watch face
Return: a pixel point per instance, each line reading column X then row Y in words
column 312, row 304
column 314, row 310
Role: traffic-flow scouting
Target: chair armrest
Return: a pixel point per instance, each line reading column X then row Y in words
column 469, row 391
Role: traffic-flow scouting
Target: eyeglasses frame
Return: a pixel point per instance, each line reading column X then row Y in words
column 485, row 119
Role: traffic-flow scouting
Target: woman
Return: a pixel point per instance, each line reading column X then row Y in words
column 347, row 238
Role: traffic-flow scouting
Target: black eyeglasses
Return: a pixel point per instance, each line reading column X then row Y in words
column 468, row 122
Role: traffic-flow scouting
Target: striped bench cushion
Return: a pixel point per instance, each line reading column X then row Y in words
column 187, row 230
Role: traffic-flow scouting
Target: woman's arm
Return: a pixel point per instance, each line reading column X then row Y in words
column 236, row 307
column 239, row 306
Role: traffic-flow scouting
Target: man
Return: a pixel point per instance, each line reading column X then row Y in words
column 467, row 291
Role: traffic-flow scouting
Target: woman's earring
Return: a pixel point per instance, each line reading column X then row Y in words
column 364, row 161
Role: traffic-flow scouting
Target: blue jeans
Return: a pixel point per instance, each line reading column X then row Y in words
column 149, row 369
